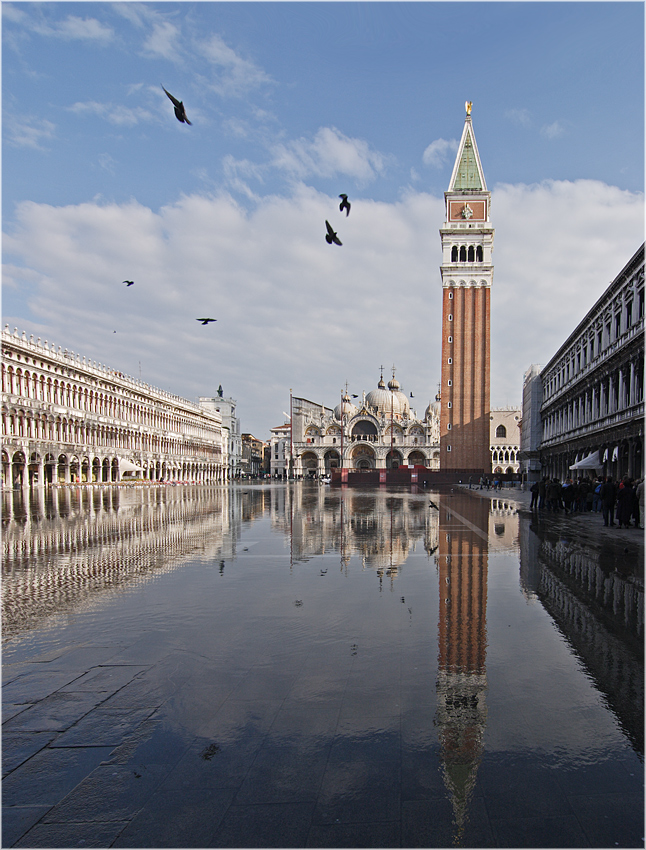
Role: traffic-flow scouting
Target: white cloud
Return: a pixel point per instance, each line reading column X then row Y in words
column 72, row 28
column 328, row 154
column 163, row 41
column 440, row 152
column 238, row 75
column 519, row 116
column 115, row 113
column 296, row 312
column 553, row 131
column 27, row 131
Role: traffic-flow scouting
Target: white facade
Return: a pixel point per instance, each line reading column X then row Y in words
column 279, row 447
column 504, row 436
column 380, row 432
column 68, row 419
column 530, row 432
column 231, row 436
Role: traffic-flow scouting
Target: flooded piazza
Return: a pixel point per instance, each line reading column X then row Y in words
column 292, row 665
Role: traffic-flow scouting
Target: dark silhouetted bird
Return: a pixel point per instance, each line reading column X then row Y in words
column 331, row 236
column 206, row 321
column 345, row 205
column 128, row 282
column 412, row 396
column 180, row 112
column 433, row 505
column 354, row 395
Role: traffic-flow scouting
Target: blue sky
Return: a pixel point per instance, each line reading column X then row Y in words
column 292, row 103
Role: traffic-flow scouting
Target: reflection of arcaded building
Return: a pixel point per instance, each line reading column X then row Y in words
column 68, row 419
column 462, row 638
column 63, row 549
column 595, row 595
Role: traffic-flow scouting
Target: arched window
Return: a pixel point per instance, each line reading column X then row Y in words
column 501, row 431
column 471, row 254
column 463, row 254
column 454, row 254
column 479, row 254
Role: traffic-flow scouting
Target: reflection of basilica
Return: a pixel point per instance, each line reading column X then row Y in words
column 380, row 432
column 462, row 635
column 380, row 528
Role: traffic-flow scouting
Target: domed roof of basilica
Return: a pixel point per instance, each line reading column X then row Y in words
column 434, row 408
column 388, row 401
column 346, row 408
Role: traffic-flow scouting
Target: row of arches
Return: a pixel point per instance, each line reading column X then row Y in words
column 62, row 429
column 362, row 456
column 466, row 254
column 20, row 470
column 44, row 389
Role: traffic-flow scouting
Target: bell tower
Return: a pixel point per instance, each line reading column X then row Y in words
column 467, row 274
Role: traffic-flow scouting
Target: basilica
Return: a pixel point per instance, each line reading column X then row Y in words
column 380, row 431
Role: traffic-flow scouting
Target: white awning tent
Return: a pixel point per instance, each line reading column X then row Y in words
column 128, row 466
column 591, row 461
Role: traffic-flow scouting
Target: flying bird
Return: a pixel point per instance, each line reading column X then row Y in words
column 345, row 205
column 180, row 112
column 354, row 395
column 331, row 236
column 434, row 506
column 206, row 321
column 412, row 396
column 128, row 282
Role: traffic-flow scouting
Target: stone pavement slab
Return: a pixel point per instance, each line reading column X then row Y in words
column 50, row 774
column 103, row 728
column 17, row 747
column 53, row 713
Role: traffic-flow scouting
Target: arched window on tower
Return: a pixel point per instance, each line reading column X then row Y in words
column 479, row 254
column 471, row 254
column 463, row 254
column 501, row 431
column 454, row 254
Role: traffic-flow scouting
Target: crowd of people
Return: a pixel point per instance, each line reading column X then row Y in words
column 622, row 500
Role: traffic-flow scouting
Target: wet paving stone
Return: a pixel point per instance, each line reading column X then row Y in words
column 17, row 747
column 72, row 835
column 110, row 793
column 363, row 671
column 57, row 712
column 103, row 727
column 50, row 774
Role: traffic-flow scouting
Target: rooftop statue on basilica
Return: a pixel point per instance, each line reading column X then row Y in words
column 380, row 432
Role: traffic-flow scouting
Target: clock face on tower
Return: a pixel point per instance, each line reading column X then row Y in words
column 471, row 210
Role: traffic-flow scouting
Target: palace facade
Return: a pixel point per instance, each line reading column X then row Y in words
column 591, row 416
column 66, row 419
column 379, row 432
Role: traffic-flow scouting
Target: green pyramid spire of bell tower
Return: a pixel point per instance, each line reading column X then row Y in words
column 467, row 171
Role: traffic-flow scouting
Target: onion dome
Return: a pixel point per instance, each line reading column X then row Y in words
column 388, row 401
column 346, row 408
column 434, row 408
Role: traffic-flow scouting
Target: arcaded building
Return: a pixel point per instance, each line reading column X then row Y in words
column 592, row 411
column 67, row 419
column 467, row 274
column 504, row 434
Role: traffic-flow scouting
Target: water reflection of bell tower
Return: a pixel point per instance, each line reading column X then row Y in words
column 462, row 635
